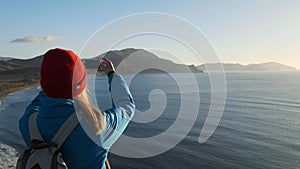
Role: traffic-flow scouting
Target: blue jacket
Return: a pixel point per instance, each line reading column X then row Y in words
column 79, row 150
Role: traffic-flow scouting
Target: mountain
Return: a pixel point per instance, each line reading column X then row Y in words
column 21, row 67
column 17, row 74
column 134, row 60
column 4, row 66
column 5, row 58
column 32, row 62
column 268, row 66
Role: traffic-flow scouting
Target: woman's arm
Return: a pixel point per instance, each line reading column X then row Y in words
column 122, row 100
column 122, row 111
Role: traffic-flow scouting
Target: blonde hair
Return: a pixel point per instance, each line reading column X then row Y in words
column 92, row 115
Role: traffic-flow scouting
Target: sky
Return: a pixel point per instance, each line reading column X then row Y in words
column 241, row 31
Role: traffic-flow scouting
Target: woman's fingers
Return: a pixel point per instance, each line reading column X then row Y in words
column 106, row 59
column 106, row 65
column 110, row 63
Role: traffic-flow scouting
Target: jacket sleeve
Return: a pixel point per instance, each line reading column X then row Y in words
column 23, row 121
column 122, row 111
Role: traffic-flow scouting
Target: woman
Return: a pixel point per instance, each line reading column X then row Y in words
column 63, row 80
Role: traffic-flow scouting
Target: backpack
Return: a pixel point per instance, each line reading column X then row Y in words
column 46, row 155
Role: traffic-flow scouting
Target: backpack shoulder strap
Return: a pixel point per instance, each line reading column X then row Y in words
column 33, row 128
column 65, row 130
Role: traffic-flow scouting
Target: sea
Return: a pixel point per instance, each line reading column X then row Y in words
column 259, row 126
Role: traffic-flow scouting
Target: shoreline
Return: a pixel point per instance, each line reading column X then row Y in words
column 7, row 88
column 8, row 154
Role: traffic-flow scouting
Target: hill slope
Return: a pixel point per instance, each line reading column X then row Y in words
column 134, row 60
column 16, row 74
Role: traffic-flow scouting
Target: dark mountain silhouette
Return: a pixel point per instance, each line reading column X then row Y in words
column 269, row 66
column 4, row 66
column 138, row 59
column 5, row 58
column 15, row 74
column 132, row 60
column 32, row 62
column 135, row 60
column 21, row 67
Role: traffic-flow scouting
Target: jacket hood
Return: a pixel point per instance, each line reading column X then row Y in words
column 55, row 107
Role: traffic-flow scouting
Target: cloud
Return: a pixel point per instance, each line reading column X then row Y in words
column 35, row 39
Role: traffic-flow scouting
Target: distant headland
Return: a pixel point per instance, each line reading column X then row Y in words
column 267, row 66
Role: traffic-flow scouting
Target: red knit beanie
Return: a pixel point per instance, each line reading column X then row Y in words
column 62, row 74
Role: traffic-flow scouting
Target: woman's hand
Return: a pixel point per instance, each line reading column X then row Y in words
column 106, row 66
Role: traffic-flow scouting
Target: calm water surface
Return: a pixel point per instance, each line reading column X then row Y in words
column 260, row 127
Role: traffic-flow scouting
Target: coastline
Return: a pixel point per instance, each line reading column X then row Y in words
column 8, row 154
column 8, row 87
